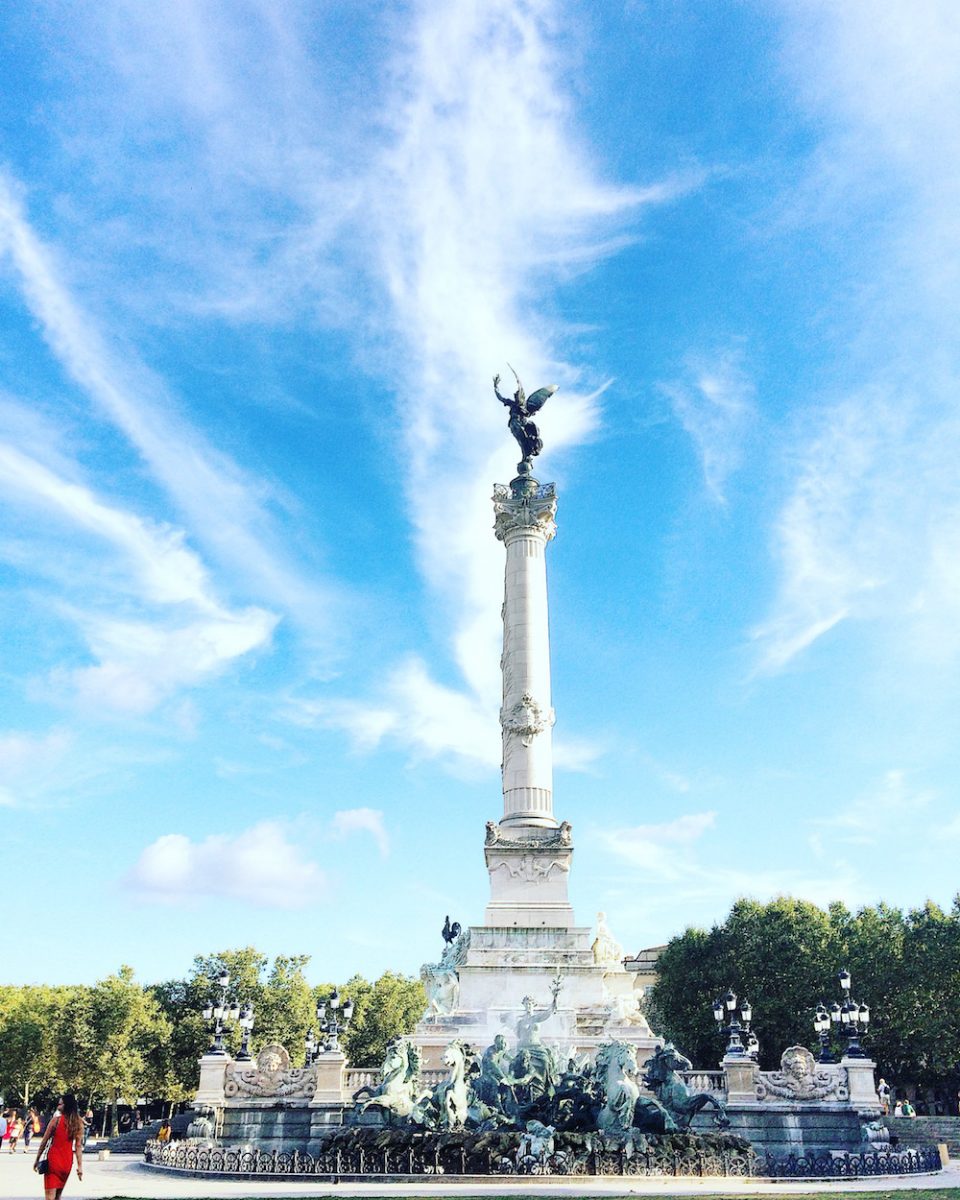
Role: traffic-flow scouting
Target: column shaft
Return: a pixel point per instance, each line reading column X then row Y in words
column 525, row 524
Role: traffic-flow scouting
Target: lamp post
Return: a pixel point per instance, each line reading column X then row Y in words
column 732, row 1023
column 218, row 1011
column 341, row 1014
column 245, row 1021
column 821, row 1024
column 854, row 1017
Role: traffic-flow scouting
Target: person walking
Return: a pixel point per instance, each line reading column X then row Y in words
column 16, row 1128
column 31, row 1125
column 883, row 1091
column 64, row 1133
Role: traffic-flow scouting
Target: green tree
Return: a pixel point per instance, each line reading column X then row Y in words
column 287, row 1010
column 785, row 957
column 29, row 1066
column 108, row 1040
column 781, row 956
column 175, row 1059
column 382, row 1011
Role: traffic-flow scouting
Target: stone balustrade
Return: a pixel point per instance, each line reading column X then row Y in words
column 705, row 1081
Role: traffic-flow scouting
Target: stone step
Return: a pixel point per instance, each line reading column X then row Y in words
column 926, row 1131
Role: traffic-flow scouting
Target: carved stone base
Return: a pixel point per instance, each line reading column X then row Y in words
column 528, row 883
column 505, row 963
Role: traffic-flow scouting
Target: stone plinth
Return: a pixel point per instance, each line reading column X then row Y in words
column 861, row 1079
column 528, row 878
column 503, row 964
column 330, row 1068
column 213, row 1070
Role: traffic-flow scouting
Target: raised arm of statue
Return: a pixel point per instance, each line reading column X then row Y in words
column 507, row 400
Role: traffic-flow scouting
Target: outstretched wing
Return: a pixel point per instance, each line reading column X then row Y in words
column 539, row 398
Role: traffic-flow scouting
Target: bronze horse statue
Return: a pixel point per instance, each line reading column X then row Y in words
column 662, row 1075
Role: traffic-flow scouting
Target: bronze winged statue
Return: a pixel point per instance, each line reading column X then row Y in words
column 522, row 407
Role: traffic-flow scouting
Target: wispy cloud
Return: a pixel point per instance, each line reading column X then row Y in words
column 868, row 530
column 30, row 764
column 362, row 820
column 468, row 246
column 428, row 720
column 138, row 661
column 880, row 813
column 259, row 866
column 713, row 401
column 673, row 857
column 222, row 505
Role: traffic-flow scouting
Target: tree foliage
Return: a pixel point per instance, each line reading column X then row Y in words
column 784, row 957
column 119, row 1040
column 382, row 1011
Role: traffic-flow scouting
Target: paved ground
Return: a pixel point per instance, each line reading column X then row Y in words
column 127, row 1176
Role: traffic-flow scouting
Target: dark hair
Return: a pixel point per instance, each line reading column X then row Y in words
column 72, row 1114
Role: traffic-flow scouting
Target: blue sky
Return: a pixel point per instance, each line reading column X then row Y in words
column 258, row 263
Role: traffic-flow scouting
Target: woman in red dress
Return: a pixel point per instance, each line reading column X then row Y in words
column 65, row 1135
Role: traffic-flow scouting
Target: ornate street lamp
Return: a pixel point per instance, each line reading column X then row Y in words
column 821, row 1024
column 218, row 1012
column 341, row 1014
column 732, row 1024
column 854, row 1017
column 245, row 1021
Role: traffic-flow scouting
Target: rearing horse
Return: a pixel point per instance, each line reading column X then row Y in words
column 398, row 1090
column 662, row 1076
column 452, row 1097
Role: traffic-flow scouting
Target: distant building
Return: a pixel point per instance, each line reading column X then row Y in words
column 644, row 966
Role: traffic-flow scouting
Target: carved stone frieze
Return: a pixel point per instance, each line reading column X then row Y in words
column 535, row 511
column 526, row 719
column 270, row 1076
column 540, row 839
column 530, row 867
column 801, row 1077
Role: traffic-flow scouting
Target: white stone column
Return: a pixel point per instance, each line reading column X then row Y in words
column 525, row 514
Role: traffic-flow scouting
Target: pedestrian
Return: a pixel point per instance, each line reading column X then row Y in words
column 16, row 1128
column 31, row 1127
column 3, row 1125
column 883, row 1091
column 7, row 1126
column 64, row 1133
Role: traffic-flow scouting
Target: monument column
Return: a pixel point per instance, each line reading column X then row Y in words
column 525, row 513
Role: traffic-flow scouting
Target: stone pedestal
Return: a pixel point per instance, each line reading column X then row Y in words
column 213, row 1069
column 528, row 878
column 740, row 1075
column 330, row 1067
column 861, row 1077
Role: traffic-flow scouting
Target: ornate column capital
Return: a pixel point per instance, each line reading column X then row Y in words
column 530, row 507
